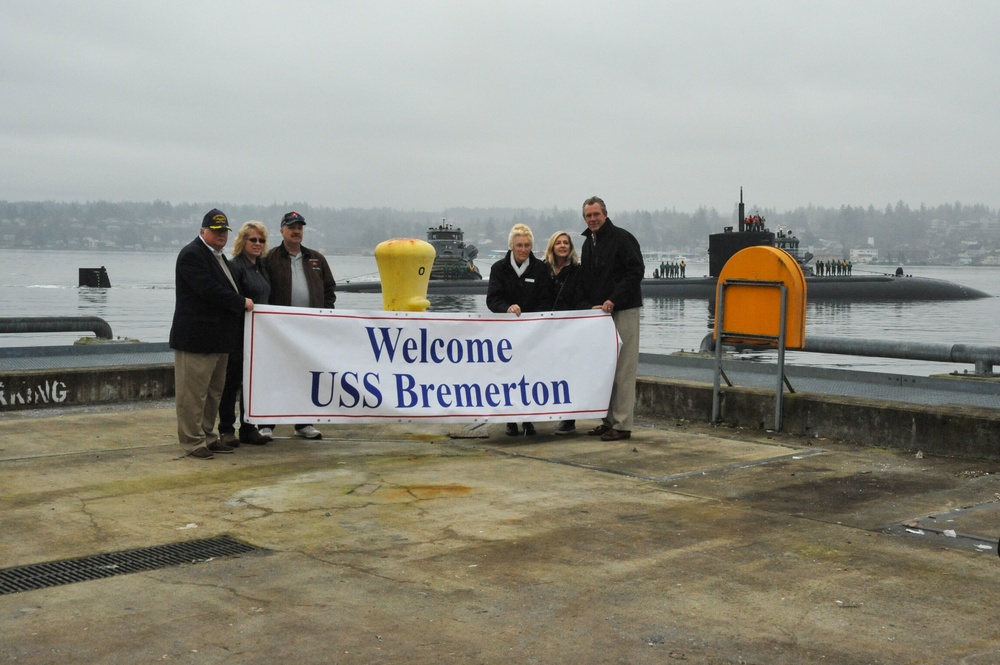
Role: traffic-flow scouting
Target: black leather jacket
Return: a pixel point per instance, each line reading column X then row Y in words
column 252, row 278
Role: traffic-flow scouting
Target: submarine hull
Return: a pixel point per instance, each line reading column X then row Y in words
column 860, row 288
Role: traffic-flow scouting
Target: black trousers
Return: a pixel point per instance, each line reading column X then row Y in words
column 231, row 393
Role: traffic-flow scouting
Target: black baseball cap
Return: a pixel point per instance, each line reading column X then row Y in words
column 216, row 220
column 293, row 218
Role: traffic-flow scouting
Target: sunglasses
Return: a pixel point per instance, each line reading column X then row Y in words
column 261, row 240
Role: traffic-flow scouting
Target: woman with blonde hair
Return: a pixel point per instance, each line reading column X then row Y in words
column 564, row 265
column 250, row 274
column 519, row 283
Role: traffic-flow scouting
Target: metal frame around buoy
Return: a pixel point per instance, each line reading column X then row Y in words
column 761, row 299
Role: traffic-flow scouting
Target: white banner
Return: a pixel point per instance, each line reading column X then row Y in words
column 337, row 366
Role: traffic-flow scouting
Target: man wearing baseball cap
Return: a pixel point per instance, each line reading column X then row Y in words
column 300, row 277
column 206, row 328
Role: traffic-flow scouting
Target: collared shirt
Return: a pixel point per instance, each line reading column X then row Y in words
column 221, row 258
column 300, row 289
column 225, row 268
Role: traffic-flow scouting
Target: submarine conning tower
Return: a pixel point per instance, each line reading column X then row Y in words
column 722, row 246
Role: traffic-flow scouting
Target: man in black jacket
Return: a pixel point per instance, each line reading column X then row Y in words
column 612, row 275
column 300, row 277
column 206, row 328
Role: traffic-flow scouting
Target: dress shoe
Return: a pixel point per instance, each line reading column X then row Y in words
column 616, row 435
column 599, row 430
column 219, row 447
column 512, row 429
column 201, row 452
column 253, row 437
column 229, row 439
column 566, row 427
column 529, row 429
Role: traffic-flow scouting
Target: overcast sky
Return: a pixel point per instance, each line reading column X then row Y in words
column 427, row 105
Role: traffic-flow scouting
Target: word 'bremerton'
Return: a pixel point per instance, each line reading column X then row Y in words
column 349, row 389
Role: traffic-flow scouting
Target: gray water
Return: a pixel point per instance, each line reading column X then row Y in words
column 140, row 306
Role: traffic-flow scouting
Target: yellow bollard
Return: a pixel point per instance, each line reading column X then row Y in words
column 405, row 267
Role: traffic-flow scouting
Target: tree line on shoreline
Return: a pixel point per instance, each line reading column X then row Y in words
column 162, row 226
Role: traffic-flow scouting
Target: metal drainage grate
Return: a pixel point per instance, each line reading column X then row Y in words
column 56, row 573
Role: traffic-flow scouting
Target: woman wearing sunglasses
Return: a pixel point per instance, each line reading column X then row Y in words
column 250, row 274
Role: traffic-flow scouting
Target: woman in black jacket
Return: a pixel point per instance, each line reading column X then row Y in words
column 250, row 274
column 519, row 283
column 564, row 268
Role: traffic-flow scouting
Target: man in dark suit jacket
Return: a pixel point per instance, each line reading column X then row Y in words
column 612, row 276
column 206, row 328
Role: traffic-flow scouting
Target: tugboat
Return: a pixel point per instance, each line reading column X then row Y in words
column 453, row 259
column 787, row 241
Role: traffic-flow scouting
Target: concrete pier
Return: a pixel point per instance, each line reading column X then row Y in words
column 948, row 416
column 687, row 543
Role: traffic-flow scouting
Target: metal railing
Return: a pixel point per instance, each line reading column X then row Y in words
column 55, row 324
column 983, row 357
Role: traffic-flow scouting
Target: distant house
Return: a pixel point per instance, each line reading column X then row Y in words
column 864, row 255
column 984, row 224
column 907, row 255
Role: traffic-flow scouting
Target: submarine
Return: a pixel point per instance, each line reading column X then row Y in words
column 752, row 232
column 855, row 288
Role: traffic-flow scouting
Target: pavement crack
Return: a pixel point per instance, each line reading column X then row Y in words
column 95, row 525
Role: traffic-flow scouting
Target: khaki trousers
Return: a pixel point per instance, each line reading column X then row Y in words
column 621, row 409
column 198, row 382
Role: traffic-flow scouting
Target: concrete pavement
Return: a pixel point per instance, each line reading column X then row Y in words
column 391, row 544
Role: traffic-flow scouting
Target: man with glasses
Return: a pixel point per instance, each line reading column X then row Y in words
column 207, row 327
column 300, row 277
